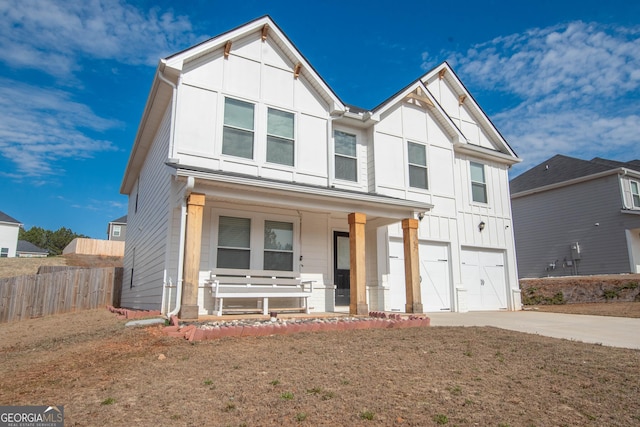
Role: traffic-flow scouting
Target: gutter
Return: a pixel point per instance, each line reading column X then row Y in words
column 173, row 108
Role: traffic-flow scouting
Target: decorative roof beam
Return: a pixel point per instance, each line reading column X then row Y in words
column 441, row 73
column 227, row 48
column 265, row 30
column 461, row 99
column 297, row 69
column 420, row 95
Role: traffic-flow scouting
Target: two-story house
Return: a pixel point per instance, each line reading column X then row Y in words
column 577, row 217
column 117, row 229
column 9, row 230
column 246, row 158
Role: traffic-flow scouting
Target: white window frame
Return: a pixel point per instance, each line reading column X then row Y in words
column 256, row 245
column 416, row 165
column 4, row 252
column 280, row 137
column 635, row 195
column 228, row 126
column 117, row 229
column 336, row 155
column 482, row 183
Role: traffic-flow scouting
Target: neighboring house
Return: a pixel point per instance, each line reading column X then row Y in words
column 27, row 249
column 246, row 158
column 577, row 217
column 9, row 230
column 117, row 229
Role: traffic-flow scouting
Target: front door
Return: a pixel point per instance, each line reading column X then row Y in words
column 341, row 267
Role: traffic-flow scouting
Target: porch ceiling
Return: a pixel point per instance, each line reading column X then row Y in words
column 380, row 210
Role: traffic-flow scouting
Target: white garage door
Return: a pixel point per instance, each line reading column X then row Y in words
column 483, row 276
column 435, row 285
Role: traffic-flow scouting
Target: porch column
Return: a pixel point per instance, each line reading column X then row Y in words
column 411, row 266
column 191, row 275
column 358, row 282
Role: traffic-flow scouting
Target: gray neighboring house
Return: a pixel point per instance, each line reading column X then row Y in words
column 117, row 229
column 577, row 217
column 27, row 249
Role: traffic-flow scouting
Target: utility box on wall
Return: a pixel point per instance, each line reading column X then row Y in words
column 575, row 251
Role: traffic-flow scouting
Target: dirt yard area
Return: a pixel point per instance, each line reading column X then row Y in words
column 106, row 374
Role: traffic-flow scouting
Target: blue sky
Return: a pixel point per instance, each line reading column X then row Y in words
column 554, row 77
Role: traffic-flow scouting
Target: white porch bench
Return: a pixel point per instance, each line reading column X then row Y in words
column 259, row 285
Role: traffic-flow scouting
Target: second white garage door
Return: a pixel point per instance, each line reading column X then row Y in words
column 435, row 284
column 483, row 276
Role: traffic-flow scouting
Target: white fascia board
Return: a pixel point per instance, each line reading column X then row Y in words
column 451, row 77
column 617, row 171
column 144, row 137
column 485, row 153
column 311, row 197
column 441, row 115
column 179, row 60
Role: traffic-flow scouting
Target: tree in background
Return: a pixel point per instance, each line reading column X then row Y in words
column 53, row 241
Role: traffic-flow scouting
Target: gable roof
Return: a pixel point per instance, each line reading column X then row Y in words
column 504, row 152
column 6, row 218
column 121, row 220
column 25, row 246
column 559, row 169
column 170, row 68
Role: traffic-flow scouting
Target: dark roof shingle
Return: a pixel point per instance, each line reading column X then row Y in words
column 6, row 218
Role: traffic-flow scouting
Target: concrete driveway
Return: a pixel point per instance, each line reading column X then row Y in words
column 610, row 331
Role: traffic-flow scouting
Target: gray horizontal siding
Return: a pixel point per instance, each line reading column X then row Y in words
column 547, row 223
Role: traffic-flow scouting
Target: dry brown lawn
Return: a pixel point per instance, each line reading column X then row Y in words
column 106, row 374
column 10, row 267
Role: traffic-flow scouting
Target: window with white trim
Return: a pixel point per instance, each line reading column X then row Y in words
column 635, row 194
column 478, row 182
column 4, row 252
column 238, row 129
column 417, row 158
column 116, row 231
column 234, row 242
column 346, row 159
column 280, row 137
column 278, row 246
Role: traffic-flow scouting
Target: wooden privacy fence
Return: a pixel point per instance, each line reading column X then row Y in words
column 71, row 289
column 82, row 246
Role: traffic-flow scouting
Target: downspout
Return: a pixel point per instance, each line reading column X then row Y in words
column 183, row 233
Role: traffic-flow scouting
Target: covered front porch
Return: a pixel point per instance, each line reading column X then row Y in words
column 328, row 236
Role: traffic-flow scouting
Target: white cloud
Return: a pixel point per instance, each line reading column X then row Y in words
column 577, row 86
column 52, row 36
column 40, row 126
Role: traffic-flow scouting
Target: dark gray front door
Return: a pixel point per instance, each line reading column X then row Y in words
column 341, row 263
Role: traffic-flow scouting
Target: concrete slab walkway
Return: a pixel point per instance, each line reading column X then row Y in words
column 610, row 331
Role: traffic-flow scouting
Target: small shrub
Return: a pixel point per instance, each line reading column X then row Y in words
column 287, row 395
column 610, row 294
column 441, row 419
column 367, row 415
column 301, row 416
column 275, row 382
column 208, row 382
column 108, row 401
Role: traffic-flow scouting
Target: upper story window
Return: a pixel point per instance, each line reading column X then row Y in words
column 234, row 242
column 478, row 183
column 280, row 137
column 237, row 137
column 116, row 231
column 417, row 157
column 278, row 246
column 635, row 194
column 346, row 161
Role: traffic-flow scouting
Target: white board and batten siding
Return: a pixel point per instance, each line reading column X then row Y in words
column 257, row 72
column 147, row 227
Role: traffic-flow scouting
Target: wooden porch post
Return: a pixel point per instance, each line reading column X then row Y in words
column 358, row 297
column 411, row 266
column 191, row 275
